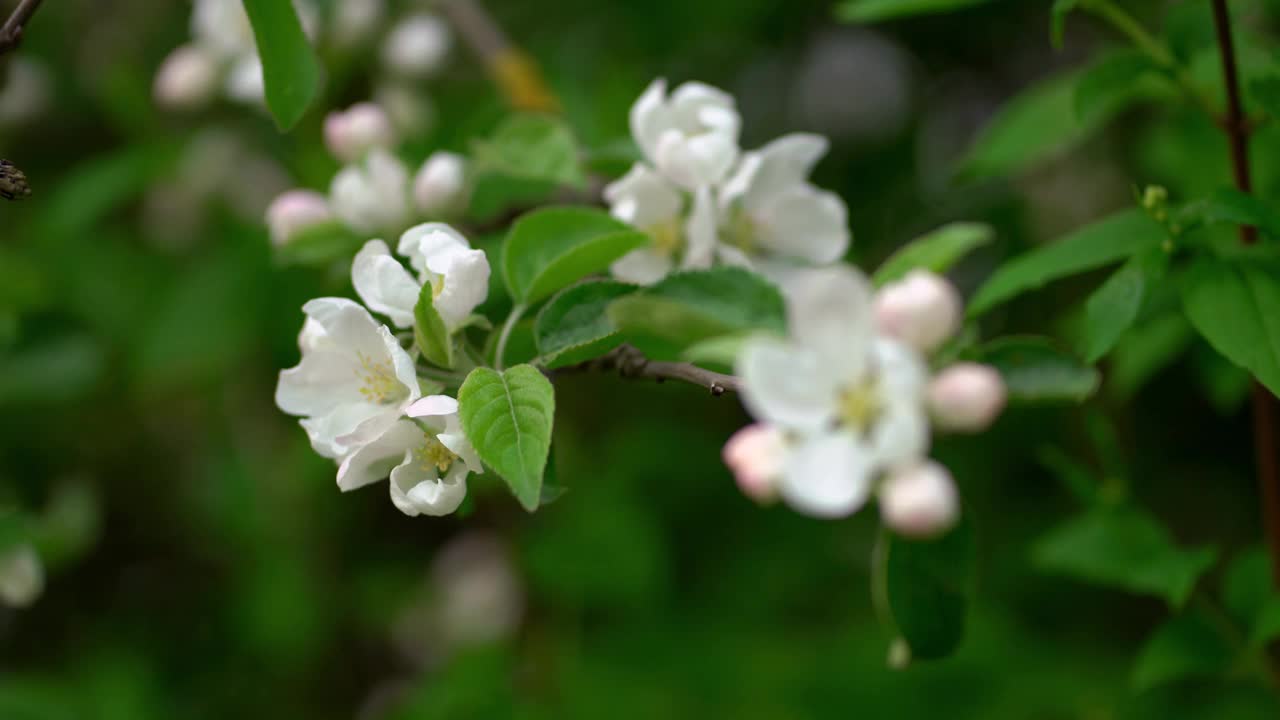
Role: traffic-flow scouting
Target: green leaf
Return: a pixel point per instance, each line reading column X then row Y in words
column 1058, row 23
column 1230, row 206
column 429, row 331
column 936, row 252
column 1249, row 593
column 1266, row 92
column 1113, row 82
column 1146, row 350
column 553, row 248
column 524, row 162
column 926, row 587
column 1102, row 243
column 722, row 350
column 1236, row 307
column 1035, row 371
column 52, row 371
column 689, row 307
column 1113, row 307
column 290, row 70
column 574, row 326
column 1123, row 548
column 868, row 11
column 508, row 417
column 1037, row 124
column 1184, row 647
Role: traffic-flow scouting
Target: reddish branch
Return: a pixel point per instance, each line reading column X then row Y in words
column 11, row 31
column 1236, row 126
column 629, row 362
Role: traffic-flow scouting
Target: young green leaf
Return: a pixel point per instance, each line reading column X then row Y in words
column 1123, row 548
column 1037, row 124
column 1113, row 307
column 290, row 70
column 527, row 158
column 553, row 248
column 1115, row 81
column 927, row 585
column 429, row 331
column 574, row 326
column 1230, row 206
column 1249, row 594
column 1236, row 307
column 686, row 308
column 1035, row 371
column 868, row 11
column 722, row 350
column 1147, row 349
column 936, row 251
column 1184, row 647
column 508, row 417
column 1102, row 243
column 1058, row 23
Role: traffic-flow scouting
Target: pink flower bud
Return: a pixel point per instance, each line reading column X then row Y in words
column 439, row 185
column 295, row 211
column 351, row 134
column 187, row 79
column 920, row 501
column 966, row 397
column 756, row 454
column 922, row 310
column 417, row 46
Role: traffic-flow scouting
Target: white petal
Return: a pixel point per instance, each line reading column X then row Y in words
column 649, row 117
column 700, row 232
column 401, row 364
column 21, row 575
column 383, row 283
column 902, row 371
column 900, row 435
column 331, row 433
column 466, row 285
column 694, row 161
column 433, row 406
column 321, row 381
column 644, row 266
column 643, row 198
column 804, row 223
column 244, row 81
column 830, row 312
column 735, row 188
column 697, row 107
column 784, row 164
column 786, row 385
column 375, row 460
column 372, row 196
column 459, row 445
column 416, row 490
column 827, row 476
column 735, row 257
column 428, row 242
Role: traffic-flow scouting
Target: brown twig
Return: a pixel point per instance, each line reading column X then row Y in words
column 630, row 363
column 11, row 31
column 1237, row 128
column 515, row 73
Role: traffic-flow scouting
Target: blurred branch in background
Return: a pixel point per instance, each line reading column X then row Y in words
column 11, row 32
column 630, row 363
column 516, row 73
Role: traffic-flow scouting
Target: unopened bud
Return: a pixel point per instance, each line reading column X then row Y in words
column 373, row 195
column 966, row 397
column 919, row 501
column 187, row 79
column 294, row 212
column 756, row 454
column 417, row 46
column 922, row 310
column 21, row 576
column 352, row 133
column 440, row 183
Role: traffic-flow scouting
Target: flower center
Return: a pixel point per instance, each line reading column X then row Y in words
column 378, row 383
column 433, row 454
column 740, row 232
column 667, row 237
column 859, row 405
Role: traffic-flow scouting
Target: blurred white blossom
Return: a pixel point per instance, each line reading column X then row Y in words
column 372, row 195
column 21, row 575
column 352, row 133
column 922, row 310
column 757, row 455
column 417, row 45
column 966, row 397
column 296, row 211
column 441, row 184
column 920, row 501
column 457, row 274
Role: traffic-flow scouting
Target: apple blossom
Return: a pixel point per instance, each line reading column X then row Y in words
column 21, row 575
column 354, row 21
column 417, row 45
column 757, row 456
column 372, row 195
column 295, row 211
column 922, row 310
column 354, row 381
column 350, row 134
column 457, row 274
column 646, row 200
column 481, row 599
column 223, row 27
column 966, row 397
column 853, row 400
column 244, row 81
column 441, row 183
column 919, row 501
column 426, row 457
column 187, row 78
column 691, row 136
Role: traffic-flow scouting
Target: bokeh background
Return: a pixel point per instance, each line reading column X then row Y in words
column 205, row 565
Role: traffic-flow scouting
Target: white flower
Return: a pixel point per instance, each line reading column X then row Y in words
column 21, row 576
column 354, row 380
column 647, row 201
column 922, row 310
column 966, row 397
column 757, row 455
column 441, row 183
column 691, row 137
column 770, row 209
column 457, row 274
column 187, row 78
column 480, row 599
column 920, row 501
column 244, row 81
column 373, row 195
column 352, row 133
column 417, row 45
column 223, row 27
column 296, row 211
column 427, row 459
column 354, row 21
column 852, row 401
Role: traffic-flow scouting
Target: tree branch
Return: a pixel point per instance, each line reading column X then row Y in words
column 630, row 363
column 515, row 73
column 11, row 31
column 1237, row 129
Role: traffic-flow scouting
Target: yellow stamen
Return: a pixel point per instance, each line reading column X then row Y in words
column 860, row 405
column 378, row 381
column 434, row 454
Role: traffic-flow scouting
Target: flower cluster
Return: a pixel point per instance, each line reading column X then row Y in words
column 704, row 201
column 358, row 389
column 845, row 402
column 374, row 192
